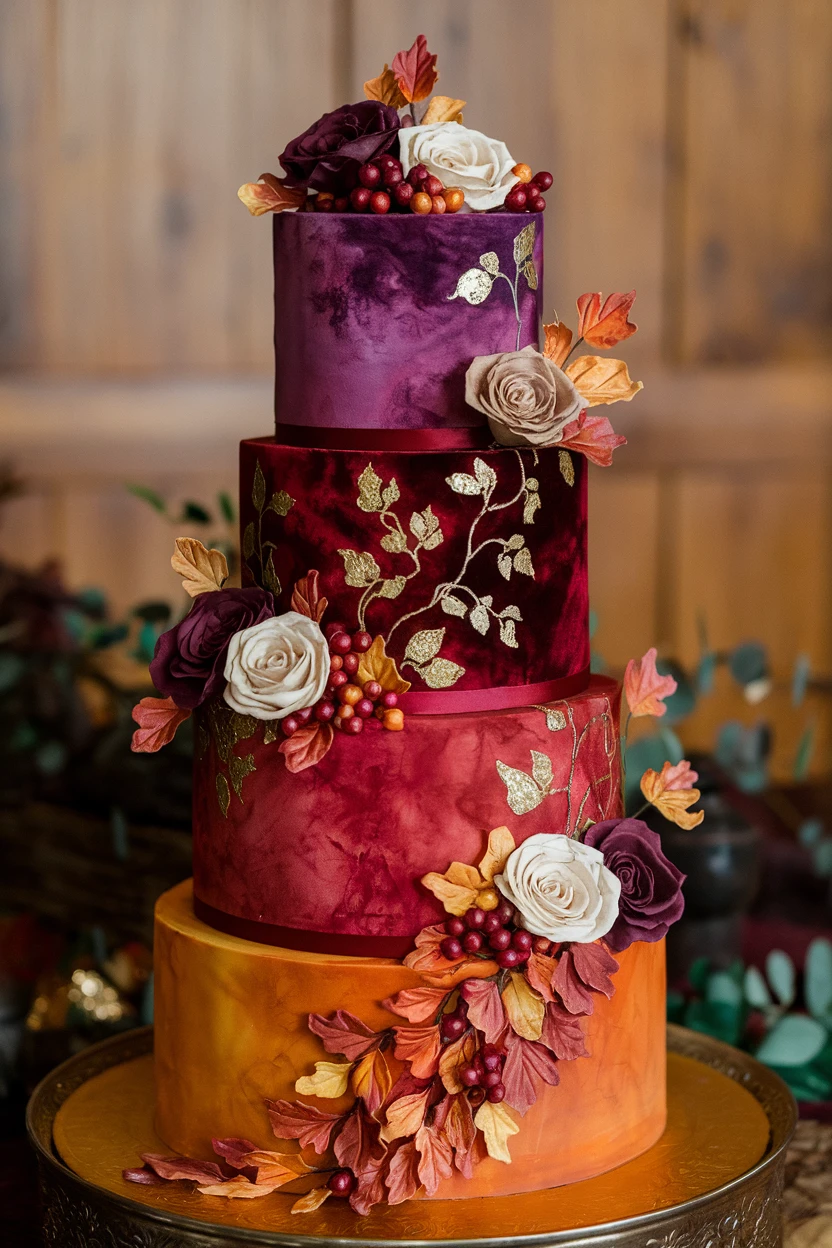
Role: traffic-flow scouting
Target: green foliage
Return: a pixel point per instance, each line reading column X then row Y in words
column 804, row 752
column 794, row 1040
column 228, row 511
column 817, row 986
column 195, row 513
column 748, row 663
column 781, row 976
column 800, row 678
column 149, row 496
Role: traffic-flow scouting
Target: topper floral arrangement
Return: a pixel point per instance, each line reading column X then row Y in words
column 372, row 157
column 283, row 669
column 529, row 945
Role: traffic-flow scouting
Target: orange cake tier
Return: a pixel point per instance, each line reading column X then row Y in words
column 231, row 1032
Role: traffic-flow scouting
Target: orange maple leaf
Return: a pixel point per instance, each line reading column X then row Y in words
column 605, row 325
column 592, row 436
column 645, row 688
column 462, row 887
column 671, row 791
column 558, row 341
column 415, row 71
column 158, row 719
column 306, row 597
column 421, row 1047
column 374, row 664
column 307, row 746
column 385, row 89
column 270, row 194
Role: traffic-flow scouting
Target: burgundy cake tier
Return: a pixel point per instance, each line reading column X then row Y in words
column 370, row 332
column 471, row 566
column 330, row 859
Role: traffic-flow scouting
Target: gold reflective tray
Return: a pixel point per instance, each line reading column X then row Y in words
column 714, row 1180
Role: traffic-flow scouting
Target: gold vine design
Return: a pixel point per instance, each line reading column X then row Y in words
column 475, row 285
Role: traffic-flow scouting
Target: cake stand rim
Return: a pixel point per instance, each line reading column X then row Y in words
column 56, row 1087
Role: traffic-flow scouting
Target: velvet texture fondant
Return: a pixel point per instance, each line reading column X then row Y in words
column 500, row 572
column 231, row 1031
column 367, row 334
column 340, row 848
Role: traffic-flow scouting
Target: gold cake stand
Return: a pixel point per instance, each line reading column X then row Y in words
column 714, row 1179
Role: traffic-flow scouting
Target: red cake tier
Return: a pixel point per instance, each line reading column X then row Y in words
column 330, row 859
column 378, row 318
column 470, row 565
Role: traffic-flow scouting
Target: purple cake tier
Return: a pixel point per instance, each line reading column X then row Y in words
column 370, row 332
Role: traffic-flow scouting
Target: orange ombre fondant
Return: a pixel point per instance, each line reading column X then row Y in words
column 231, row 1031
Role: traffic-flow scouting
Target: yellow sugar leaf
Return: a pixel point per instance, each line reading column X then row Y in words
column 454, row 1057
column 312, row 1200
column 442, row 108
column 599, row 380
column 201, row 570
column 497, row 1126
column 524, row 1007
column 330, row 1079
column 385, row 89
column 376, row 665
column 672, row 803
column 371, row 1080
column 456, row 898
column 500, row 844
column 241, row 1189
column 557, row 343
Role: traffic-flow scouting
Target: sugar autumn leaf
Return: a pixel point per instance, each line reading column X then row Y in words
column 270, row 194
column 558, row 340
column 645, row 689
column 415, row 71
column 443, row 108
column 421, row 1047
column 306, row 597
column 372, row 1081
column 593, row 437
column 563, row 1033
column 158, row 719
column 663, row 790
column 403, row 1174
column 312, row 1200
column 485, row 1007
column 240, row 1188
column 525, row 1064
column 604, row 325
column 307, row 746
column 202, row 570
column 405, row 1116
column 497, row 1126
column 245, row 1155
column 343, row 1033
column 417, row 1005
column 458, row 1124
column 454, row 1056
column 435, row 1158
column 330, row 1080
column 312, row 1128
column 524, row 1007
column 601, row 380
column 385, row 88
column 374, row 664
column 427, row 960
column 463, row 886
column 175, row 1168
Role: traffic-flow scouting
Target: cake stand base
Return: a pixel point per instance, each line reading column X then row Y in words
column 714, row 1179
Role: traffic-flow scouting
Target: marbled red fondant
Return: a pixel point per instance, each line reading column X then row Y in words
column 366, row 334
column 552, row 639
column 341, row 847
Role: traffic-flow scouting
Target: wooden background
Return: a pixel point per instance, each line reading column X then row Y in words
column 690, row 145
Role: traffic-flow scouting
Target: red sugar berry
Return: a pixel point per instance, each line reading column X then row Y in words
column 461, row 1010
column 501, row 939
column 372, row 690
column 451, row 948
column 369, row 175
column 472, row 942
column 333, row 628
column 492, row 1062
column 417, row 176
column 360, row 198
column 393, row 178
column 324, row 205
column 349, row 695
column 508, row 959
column 341, row 1182
column 492, row 923
column 522, row 941
column 474, row 917
column 389, row 700
column 353, row 726
column 340, row 643
column 506, row 911
column 337, row 680
column 491, row 1079
column 324, row 711
column 342, row 203
column 290, row 725
column 543, row 179
column 364, row 708
column 515, row 201
column 304, row 716
column 452, row 1027
column 537, row 205
column 432, row 186
column 421, row 203
column 361, row 642
column 351, row 662
column 497, row 1094
column 402, row 194
column 455, row 926
column 380, row 203
column 469, row 1076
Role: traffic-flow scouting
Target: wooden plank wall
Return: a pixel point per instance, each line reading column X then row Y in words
column 690, row 143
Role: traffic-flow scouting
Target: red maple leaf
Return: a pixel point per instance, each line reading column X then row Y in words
column 358, row 1148
column 403, row 1174
column 309, row 1126
column 415, row 71
column 526, row 1061
column 307, row 746
column 563, row 1033
column 420, row 1046
column 306, row 597
column 604, row 326
column 594, row 966
column 175, row 1168
column 485, row 1008
column 343, row 1033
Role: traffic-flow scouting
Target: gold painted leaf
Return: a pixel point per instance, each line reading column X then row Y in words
column 486, row 476
column 453, row 606
column 508, row 633
column 464, row 483
column 385, row 88
column 497, row 1126
column 523, row 562
column 567, row 468
column 331, row 1079
column 441, row 674
column 258, row 488
column 281, row 502
column 424, row 645
column 272, row 580
column 425, row 525
column 530, row 273
column 600, row 380
column 515, row 541
column 531, row 505
column 524, row 1007
column 480, row 619
column 312, row 1200
column 248, row 540
column 524, row 243
column 360, row 568
column 394, row 543
column 523, row 794
column 442, row 108
column 223, row 794
column 474, row 287
column 542, row 769
column 392, row 587
column 491, row 263
column 504, row 565
column 238, row 769
column 555, row 720
column 202, row 570
column 271, row 731
column 369, row 490
column 391, row 493
column 374, row 664
column 511, row 613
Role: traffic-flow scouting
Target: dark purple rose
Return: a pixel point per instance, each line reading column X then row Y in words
column 189, row 659
column 651, row 887
column 333, row 148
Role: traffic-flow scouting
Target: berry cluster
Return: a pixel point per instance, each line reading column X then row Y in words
column 492, row 934
column 345, row 704
column 527, row 193
column 381, row 187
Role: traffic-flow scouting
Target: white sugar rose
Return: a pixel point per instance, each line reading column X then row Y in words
column 561, row 888
column 528, row 400
column 276, row 667
column 460, row 157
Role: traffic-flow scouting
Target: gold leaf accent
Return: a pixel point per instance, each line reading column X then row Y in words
column 530, row 274
column 360, row 568
column 281, row 502
column 423, row 646
column 464, row 483
column 425, row 527
column 272, row 580
column 369, row 490
column 229, row 728
column 202, row 570
column 567, row 468
column 391, row 493
column 248, row 540
column 203, row 739
column 531, row 505
column 394, row 543
column 392, row 587
column 474, row 287
column 486, row 476
column 511, row 613
column 223, row 794
column 441, row 674
column 555, row 719
column 491, row 263
column 524, row 243
column 258, row 489
column 453, row 606
column 523, row 562
column 271, row 731
column 504, row 565
column 515, row 541
column 480, row 619
column 508, row 634
column 541, row 769
column 523, row 792
column 238, row 769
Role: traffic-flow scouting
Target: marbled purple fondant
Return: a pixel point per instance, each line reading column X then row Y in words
column 366, row 336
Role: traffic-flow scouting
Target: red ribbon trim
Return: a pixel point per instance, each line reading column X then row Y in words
column 497, row 698
column 329, row 438
column 335, row 944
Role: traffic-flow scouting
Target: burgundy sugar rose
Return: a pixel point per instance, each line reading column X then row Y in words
column 651, row 887
column 335, row 146
column 189, row 661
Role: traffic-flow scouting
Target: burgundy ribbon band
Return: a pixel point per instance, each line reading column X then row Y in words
column 333, row 943
column 497, row 698
column 331, row 438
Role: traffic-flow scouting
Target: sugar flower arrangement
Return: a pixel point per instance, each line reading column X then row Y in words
column 527, row 949
column 401, row 149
